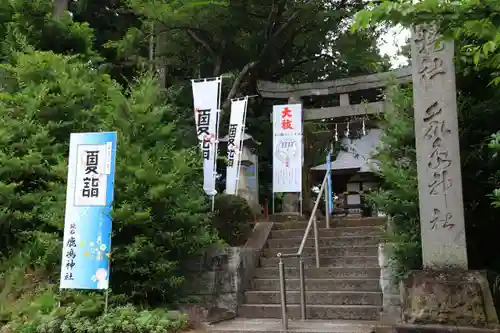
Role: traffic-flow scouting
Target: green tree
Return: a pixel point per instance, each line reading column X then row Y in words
column 45, row 97
column 248, row 41
column 110, row 21
column 254, row 40
column 474, row 24
column 69, row 90
column 495, row 146
column 398, row 195
column 27, row 25
column 159, row 209
column 474, row 27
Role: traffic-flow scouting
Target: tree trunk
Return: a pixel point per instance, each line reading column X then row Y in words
column 151, row 49
column 59, row 7
column 237, row 83
column 160, row 58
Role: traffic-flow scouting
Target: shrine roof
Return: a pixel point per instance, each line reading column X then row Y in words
column 358, row 154
column 248, row 140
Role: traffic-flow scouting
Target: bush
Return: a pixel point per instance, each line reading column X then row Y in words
column 89, row 317
column 233, row 218
column 31, row 302
column 160, row 209
column 160, row 213
column 398, row 193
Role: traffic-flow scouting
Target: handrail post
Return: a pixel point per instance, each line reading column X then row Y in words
column 327, row 204
column 316, row 240
column 313, row 223
column 281, row 267
column 302, row 288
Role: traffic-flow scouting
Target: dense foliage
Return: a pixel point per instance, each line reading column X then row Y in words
column 474, row 24
column 28, row 25
column 84, row 314
column 245, row 41
column 398, row 196
column 474, row 27
column 85, row 70
column 158, row 196
column 125, row 65
column 233, row 218
column 495, row 146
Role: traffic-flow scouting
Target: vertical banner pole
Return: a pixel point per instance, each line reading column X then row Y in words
column 300, row 203
column 329, row 195
column 273, row 205
column 106, row 298
column 235, row 144
column 327, row 205
column 273, row 181
column 207, row 100
column 242, row 139
column 216, row 143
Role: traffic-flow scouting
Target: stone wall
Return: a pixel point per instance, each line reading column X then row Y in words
column 221, row 276
column 391, row 299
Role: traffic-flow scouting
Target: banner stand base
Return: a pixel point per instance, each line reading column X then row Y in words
column 298, row 211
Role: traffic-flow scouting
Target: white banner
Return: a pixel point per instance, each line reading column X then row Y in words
column 206, row 100
column 235, row 143
column 91, row 191
column 287, row 148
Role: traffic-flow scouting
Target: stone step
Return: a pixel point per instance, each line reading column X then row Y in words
column 273, row 325
column 344, row 222
column 286, row 217
column 376, row 231
column 316, row 297
column 419, row 328
column 344, row 261
column 345, row 312
column 329, row 284
column 330, row 241
column 322, row 272
column 351, row 251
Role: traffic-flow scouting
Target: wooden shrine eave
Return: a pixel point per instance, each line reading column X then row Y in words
column 278, row 90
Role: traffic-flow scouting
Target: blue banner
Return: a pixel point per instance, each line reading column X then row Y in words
column 87, row 222
column 329, row 185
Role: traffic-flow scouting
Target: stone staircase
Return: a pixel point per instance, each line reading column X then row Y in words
column 345, row 287
column 343, row 296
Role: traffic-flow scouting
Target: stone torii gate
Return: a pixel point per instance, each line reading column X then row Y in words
column 445, row 292
column 340, row 90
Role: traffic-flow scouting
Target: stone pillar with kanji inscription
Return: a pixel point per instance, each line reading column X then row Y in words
column 438, row 152
column 445, row 292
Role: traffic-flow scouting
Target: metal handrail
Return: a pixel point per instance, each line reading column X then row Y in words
column 312, row 223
